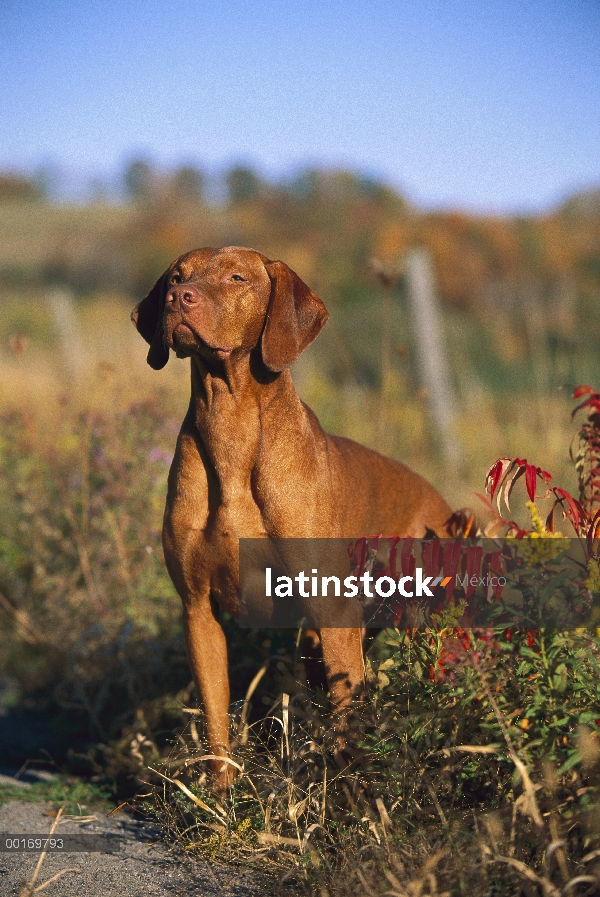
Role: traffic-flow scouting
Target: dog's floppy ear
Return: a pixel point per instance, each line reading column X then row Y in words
column 148, row 319
column 295, row 317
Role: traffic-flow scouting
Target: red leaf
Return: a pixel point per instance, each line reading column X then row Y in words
column 451, row 555
column 432, row 557
column 393, row 553
column 593, row 530
column 516, row 532
column 359, row 555
column 494, row 475
column 407, row 562
column 510, row 483
column 474, row 555
column 582, row 391
column 530, row 480
column 496, row 566
column 592, row 402
column 497, row 475
column 574, row 510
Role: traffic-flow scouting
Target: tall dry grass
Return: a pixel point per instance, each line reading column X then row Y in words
column 453, row 786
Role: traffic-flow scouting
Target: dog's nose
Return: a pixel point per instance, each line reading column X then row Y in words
column 185, row 294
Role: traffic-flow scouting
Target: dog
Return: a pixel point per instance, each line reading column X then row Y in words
column 253, row 461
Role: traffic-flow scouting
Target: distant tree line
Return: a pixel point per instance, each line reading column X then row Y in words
column 329, row 224
column 140, row 181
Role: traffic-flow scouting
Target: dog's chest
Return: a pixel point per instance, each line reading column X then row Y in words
column 210, row 506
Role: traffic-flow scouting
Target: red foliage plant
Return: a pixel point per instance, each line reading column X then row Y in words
column 582, row 513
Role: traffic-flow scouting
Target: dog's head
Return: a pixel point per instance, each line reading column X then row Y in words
column 224, row 302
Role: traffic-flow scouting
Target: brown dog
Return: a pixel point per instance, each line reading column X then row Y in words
column 253, row 461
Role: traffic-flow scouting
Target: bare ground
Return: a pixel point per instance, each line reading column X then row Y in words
column 143, row 867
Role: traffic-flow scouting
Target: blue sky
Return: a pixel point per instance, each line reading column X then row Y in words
column 486, row 106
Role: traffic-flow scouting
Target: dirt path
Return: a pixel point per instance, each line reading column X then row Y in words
column 142, row 867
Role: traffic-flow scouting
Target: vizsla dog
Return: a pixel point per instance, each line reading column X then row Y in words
column 253, row 461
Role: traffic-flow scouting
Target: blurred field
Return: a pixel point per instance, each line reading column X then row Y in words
column 101, row 361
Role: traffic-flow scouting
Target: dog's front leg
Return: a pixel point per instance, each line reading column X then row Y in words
column 207, row 655
column 344, row 668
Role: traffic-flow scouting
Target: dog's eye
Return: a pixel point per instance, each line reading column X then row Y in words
column 238, row 278
column 176, row 278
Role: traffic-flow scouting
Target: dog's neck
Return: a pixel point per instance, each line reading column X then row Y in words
column 219, row 387
column 228, row 398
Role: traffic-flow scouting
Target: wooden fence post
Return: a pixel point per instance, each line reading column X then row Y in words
column 432, row 363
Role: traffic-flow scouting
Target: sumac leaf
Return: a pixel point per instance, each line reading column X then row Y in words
column 495, row 474
column 573, row 509
column 530, row 480
column 510, row 482
column 582, row 391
